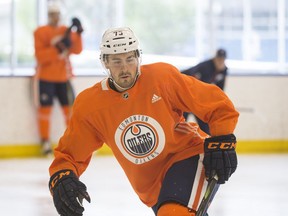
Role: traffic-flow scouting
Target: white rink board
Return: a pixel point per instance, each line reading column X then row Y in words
column 262, row 102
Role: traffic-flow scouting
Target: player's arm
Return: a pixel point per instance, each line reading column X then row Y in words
column 196, row 71
column 63, row 43
column 220, row 157
column 211, row 105
column 72, row 157
column 77, row 45
column 44, row 51
column 79, row 141
column 206, row 101
column 190, row 71
column 76, row 36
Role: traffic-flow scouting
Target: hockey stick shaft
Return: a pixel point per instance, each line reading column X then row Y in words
column 211, row 190
column 68, row 31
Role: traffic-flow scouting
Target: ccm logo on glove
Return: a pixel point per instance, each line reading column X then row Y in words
column 221, row 145
column 58, row 177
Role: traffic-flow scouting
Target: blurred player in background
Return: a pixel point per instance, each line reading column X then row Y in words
column 213, row 71
column 53, row 45
column 138, row 112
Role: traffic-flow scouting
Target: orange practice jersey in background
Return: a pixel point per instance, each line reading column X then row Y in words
column 50, row 65
column 138, row 125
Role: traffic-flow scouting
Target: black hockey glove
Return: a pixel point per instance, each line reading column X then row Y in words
column 68, row 193
column 220, row 157
column 76, row 22
column 63, row 44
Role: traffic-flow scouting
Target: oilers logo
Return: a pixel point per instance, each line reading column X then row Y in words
column 140, row 138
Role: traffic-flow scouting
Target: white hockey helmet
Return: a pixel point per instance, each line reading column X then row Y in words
column 118, row 40
column 53, row 7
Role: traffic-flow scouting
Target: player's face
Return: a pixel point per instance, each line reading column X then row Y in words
column 220, row 64
column 54, row 18
column 123, row 68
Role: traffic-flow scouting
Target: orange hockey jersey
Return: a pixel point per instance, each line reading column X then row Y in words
column 51, row 66
column 139, row 125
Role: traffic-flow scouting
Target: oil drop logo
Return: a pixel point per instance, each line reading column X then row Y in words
column 140, row 138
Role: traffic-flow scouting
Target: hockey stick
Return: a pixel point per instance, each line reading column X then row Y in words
column 68, row 31
column 208, row 196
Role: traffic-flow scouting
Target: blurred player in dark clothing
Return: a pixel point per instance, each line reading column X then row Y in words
column 213, row 71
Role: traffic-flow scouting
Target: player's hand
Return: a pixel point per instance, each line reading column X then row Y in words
column 220, row 157
column 64, row 44
column 68, row 193
column 76, row 22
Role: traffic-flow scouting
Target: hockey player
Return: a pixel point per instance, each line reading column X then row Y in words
column 137, row 111
column 53, row 45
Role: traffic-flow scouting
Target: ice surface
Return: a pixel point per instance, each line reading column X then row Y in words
column 259, row 187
